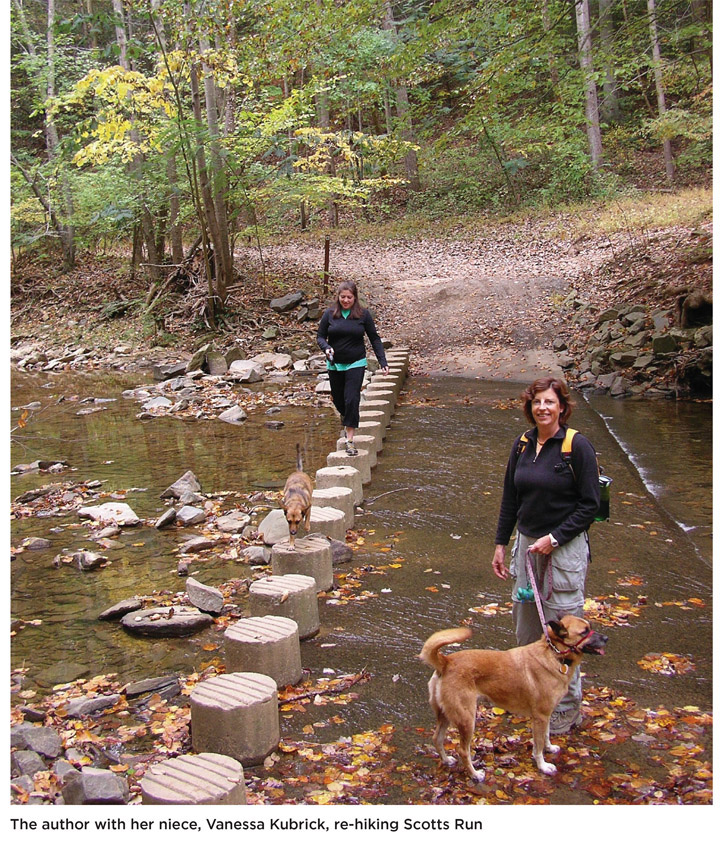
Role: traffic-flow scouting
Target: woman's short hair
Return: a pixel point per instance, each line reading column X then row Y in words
column 356, row 311
column 540, row 385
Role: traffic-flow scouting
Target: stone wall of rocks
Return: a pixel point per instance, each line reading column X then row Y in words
column 633, row 350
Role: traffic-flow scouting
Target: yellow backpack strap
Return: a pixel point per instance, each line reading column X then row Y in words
column 567, row 443
column 522, row 443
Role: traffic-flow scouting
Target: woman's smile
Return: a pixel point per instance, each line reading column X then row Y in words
column 546, row 410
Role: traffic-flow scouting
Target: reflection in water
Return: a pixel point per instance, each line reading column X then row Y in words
column 428, row 525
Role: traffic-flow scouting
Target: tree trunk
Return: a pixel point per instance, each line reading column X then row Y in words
column 403, row 109
column 660, row 93
column 585, row 53
column 611, row 107
column 120, row 36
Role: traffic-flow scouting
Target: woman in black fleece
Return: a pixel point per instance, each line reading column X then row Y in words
column 552, row 505
column 341, row 335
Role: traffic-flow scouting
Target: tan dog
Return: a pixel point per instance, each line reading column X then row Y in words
column 528, row 680
column 297, row 499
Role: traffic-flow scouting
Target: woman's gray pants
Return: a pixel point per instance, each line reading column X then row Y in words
column 566, row 582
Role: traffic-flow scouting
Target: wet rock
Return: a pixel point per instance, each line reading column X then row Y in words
column 247, row 371
column 340, row 552
column 169, row 370
column 191, row 498
column 88, row 561
column 43, row 740
column 198, row 543
column 274, row 527
column 159, row 403
column 286, row 303
column 256, row 555
column 275, row 424
column 166, row 621
column 79, row 707
column 167, row 687
column 107, row 532
column 234, row 415
column 120, row 609
column 216, row 363
column 111, row 512
column 168, row 518
column 205, row 598
column 63, row 671
column 233, row 522
column 95, row 786
column 188, row 515
column 36, row 543
column 186, row 483
column 26, row 763
column 198, row 360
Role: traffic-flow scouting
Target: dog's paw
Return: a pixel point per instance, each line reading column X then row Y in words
column 448, row 761
column 547, row 768
column 552, row 748
column 479, row 776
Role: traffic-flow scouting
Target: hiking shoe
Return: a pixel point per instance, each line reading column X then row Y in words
column 350, row 449
column 561, row 722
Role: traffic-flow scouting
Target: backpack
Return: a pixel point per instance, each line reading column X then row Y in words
column 604, row 508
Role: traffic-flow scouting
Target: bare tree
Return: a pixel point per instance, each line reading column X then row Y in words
column 585, row 53
column 660, row 92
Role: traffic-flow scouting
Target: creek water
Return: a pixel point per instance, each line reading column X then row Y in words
column 428, row 524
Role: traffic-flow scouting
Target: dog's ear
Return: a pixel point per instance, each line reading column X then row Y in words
column 558, row 628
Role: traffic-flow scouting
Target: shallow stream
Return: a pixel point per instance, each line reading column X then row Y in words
column 428, row 526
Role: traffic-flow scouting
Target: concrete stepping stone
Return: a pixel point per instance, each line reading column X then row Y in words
column 291, row 596
column 373, row 428
column 206, row 779
column 340, row 497
column 388, row 382
column 311, row 557
column 269, row 645
column 236, row 715
column 374, row 416
column 348, row 476
column 360, row 461
column 378, row 406
column 367, row 441
column 330, row 521
column 372, row 393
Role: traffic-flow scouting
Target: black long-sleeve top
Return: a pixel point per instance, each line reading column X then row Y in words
column 541, row 494
column 347, row 337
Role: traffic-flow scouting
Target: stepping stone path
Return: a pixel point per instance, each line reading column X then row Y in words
column 311, row 557
column 292, row 596
column 205, row 779
column 269, row 645
column 237, row 715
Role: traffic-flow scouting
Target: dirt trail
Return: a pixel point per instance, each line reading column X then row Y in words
column 472, row 307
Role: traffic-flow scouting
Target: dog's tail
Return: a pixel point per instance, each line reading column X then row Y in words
column 431, row 651
column 298, row 458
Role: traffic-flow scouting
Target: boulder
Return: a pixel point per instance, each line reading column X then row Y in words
column 81, row 706
column 166, row 621
column 663, row 344
column 87, row 560
column 205, row 598
column 198, row 543
column 233, row 522
column 120, row 609
column 286, row 303
column 246, row 371
column 26, row 763
column 94, row 786
column 169, row 370
column 36, row 543
column 186, row 483
column 198, row 360
column 216, row 363
column 234, row 415
column 274, row 527
column 159, row 403
column 112, row 512
column 168, row 518
column 42, row 740
column 188, row 515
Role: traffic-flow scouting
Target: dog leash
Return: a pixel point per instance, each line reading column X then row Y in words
column 539, row 607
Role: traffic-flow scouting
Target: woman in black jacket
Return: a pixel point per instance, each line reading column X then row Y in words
column 341, row 335
column 551, row 502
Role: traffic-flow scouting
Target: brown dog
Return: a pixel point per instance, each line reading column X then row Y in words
column 528, row 680
column 297, row 499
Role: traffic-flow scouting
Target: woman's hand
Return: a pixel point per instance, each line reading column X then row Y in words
column 542, row 546
column 385, row 370
column 499, row 562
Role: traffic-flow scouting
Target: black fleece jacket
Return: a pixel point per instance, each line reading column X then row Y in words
column 540, row 493
column 346, row 337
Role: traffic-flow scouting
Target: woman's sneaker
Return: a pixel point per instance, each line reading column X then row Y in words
column 562, row 722
column 350, row 449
